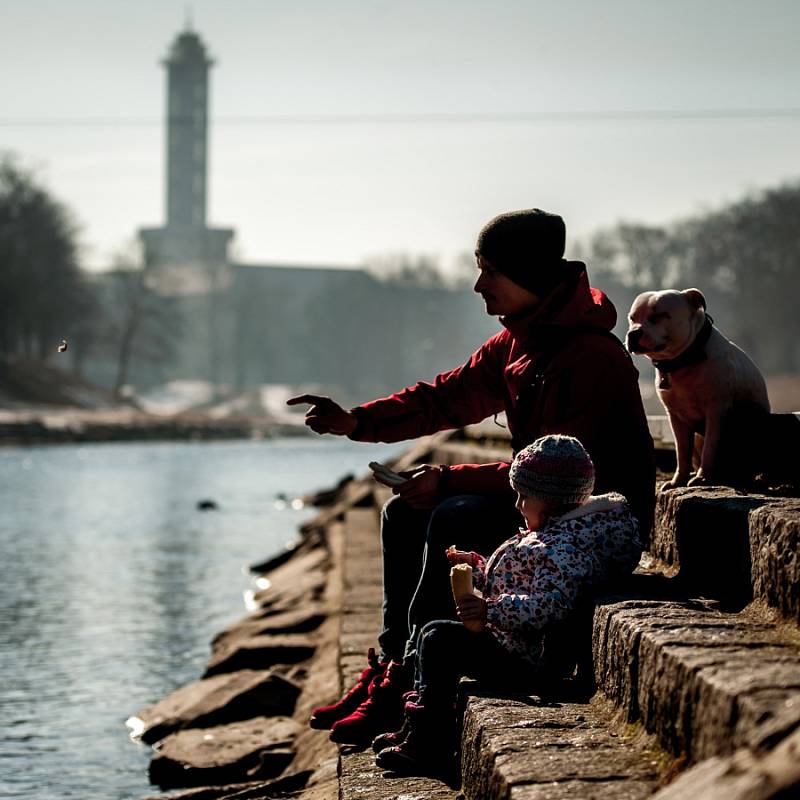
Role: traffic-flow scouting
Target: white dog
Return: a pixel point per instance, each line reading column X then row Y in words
column 703, row 379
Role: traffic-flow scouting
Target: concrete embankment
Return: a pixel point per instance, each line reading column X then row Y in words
column 696, row 665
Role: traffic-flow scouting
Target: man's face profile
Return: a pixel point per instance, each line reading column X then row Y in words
column 502, row 296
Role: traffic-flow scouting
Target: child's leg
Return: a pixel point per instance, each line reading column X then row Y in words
column 428, row 740
column 446, row 652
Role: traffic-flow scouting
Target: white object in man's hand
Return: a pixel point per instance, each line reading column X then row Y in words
column 385, row 475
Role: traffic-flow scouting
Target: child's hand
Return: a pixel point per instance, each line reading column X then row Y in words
column 459, row 556
column 472, row 608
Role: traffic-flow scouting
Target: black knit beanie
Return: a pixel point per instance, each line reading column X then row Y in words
column 526, row 246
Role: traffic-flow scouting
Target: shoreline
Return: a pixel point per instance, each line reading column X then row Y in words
column 68, row 426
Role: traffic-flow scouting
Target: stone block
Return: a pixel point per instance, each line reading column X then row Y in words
column 702, row 681
column 298, row 620
column 242, row 751
column 360, row 779
column 526, row 749
column 705, row 533
column 261, row 652
column 745, row 775
column 775, row 555
column 618, row 627
column 217, row 700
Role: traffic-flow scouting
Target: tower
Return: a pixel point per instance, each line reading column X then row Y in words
column 187, row 66
column 186, row 256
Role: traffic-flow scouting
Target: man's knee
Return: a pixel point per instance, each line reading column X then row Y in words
column 399, row 522
column 397, row 511
column 448, row 518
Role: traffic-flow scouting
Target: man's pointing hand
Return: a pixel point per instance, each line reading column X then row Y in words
column 325, row 415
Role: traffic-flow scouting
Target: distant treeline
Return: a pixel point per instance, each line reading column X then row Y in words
column 745, row 258
column 363, row 331
column 41, row 284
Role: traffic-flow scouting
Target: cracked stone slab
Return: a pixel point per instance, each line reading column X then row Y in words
column 242, row 751
column 287, row 785
column 521, row 749
column 745, row 775
column 282, row 597
column 360, row 779
column 217, row 700
column 617, row 629
column 299, row 620
column 261, row 652
column 696, row 527
column 299, row 581
column 703, row 682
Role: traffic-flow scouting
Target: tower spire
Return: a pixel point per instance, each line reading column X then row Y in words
column 188, row 21
column 186, row 238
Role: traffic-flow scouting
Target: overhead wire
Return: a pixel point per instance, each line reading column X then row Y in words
column 423, row 118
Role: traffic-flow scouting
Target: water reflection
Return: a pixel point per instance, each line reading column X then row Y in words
column 115, row 583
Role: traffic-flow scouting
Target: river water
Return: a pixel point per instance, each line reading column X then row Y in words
column 113, row 584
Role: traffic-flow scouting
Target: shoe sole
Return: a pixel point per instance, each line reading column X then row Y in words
column 353, row 740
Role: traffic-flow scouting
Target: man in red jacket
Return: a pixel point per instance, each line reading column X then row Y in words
column 555, row 367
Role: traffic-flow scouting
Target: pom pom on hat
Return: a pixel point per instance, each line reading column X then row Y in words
column 526, row 246
column 554, row 468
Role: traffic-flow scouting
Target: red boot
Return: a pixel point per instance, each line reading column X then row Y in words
column 382, row 711
column 324, row 717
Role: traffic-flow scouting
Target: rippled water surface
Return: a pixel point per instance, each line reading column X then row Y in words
column 113, row 585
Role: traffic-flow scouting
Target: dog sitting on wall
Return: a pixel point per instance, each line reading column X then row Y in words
column 711, row 387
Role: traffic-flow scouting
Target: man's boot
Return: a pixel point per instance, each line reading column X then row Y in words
column 324, row 717
column 382, row 711
column 429, row 747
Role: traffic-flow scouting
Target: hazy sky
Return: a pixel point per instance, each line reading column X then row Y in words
column 82, row 97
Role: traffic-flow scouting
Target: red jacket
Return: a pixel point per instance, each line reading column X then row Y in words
column 557, row 370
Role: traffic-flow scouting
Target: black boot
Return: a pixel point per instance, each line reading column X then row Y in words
column 429, row 747
column 396, row 737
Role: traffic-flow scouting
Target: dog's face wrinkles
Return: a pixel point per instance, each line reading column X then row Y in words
column 663, row 324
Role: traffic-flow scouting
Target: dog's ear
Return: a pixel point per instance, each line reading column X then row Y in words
column 695, row 298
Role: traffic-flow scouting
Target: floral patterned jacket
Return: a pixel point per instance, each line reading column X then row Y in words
column 536, row 577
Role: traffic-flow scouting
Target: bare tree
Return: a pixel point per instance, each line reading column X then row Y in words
column 636, row 255
column 145, row 324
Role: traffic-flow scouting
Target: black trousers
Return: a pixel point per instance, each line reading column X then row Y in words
column 447, row 651
column 416, row 573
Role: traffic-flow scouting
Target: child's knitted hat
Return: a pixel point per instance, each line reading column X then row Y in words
column 555, row 468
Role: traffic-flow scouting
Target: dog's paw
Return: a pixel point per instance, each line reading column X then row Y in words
column 674, row 483
column 699, row 480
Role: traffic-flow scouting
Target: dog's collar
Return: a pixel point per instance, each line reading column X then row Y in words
column 693, row 354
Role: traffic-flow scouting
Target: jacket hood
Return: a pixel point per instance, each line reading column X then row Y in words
column 572, row 303
column 598, row 503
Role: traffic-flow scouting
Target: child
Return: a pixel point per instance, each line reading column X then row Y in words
column 571, row 543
